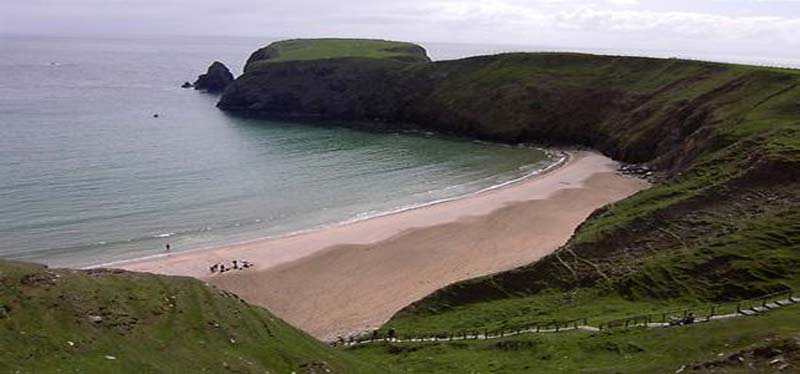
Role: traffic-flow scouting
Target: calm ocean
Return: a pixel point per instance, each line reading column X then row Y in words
column 88, row 175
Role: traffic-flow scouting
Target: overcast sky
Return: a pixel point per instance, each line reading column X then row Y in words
column 770, row 27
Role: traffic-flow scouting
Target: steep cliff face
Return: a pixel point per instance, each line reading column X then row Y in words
column 721, row 225
column 340, row 89
column 634, row 109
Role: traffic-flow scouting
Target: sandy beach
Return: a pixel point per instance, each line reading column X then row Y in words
column 350, row 278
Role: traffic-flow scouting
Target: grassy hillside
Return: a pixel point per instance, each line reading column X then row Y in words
column 102, row 321
column 721, row 225
column 324, row 49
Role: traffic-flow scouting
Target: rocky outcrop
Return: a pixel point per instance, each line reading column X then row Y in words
column 215, row 80
column 340, row 89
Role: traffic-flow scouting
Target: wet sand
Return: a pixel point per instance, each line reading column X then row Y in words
column 350, row 278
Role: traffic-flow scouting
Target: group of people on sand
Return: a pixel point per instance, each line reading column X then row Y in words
column 236, row 265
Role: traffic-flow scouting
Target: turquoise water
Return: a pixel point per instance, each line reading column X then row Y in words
column 88, row 175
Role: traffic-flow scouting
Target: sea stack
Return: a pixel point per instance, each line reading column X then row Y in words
column 215, row 79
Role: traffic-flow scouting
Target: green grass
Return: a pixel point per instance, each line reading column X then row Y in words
column 331, row 48
column 544, row 308
column 101, row 322
column 635, row 350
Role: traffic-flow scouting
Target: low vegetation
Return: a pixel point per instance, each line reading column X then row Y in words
column 101, row 321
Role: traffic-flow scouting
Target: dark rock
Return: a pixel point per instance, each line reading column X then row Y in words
column 187, row 85
column 215, row 79
column 39, row 279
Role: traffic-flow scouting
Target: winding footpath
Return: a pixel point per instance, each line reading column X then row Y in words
column 575, row 326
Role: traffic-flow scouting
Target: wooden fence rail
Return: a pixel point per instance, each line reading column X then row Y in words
column 675, row 317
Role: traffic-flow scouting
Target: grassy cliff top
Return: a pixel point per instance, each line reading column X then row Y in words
column 108, row 321
column 334, row 48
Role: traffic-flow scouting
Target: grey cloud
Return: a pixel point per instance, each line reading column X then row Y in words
column 654, row 23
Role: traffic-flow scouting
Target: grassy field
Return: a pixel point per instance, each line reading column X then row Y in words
column 103, row 322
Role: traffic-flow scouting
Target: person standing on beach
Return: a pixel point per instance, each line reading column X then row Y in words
column 166, row 247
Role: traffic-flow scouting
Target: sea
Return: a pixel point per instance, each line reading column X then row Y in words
column 89, row 175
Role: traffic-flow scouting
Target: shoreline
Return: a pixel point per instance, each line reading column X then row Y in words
column 351, row 278
column 563, row 159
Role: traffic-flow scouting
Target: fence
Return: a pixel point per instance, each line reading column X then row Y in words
column 702, row 313
column 674, row 317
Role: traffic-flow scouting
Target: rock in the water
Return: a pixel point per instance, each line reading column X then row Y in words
column 215, row 80
column 187, row 85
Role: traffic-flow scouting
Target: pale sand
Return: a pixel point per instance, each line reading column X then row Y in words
column 352, row 278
